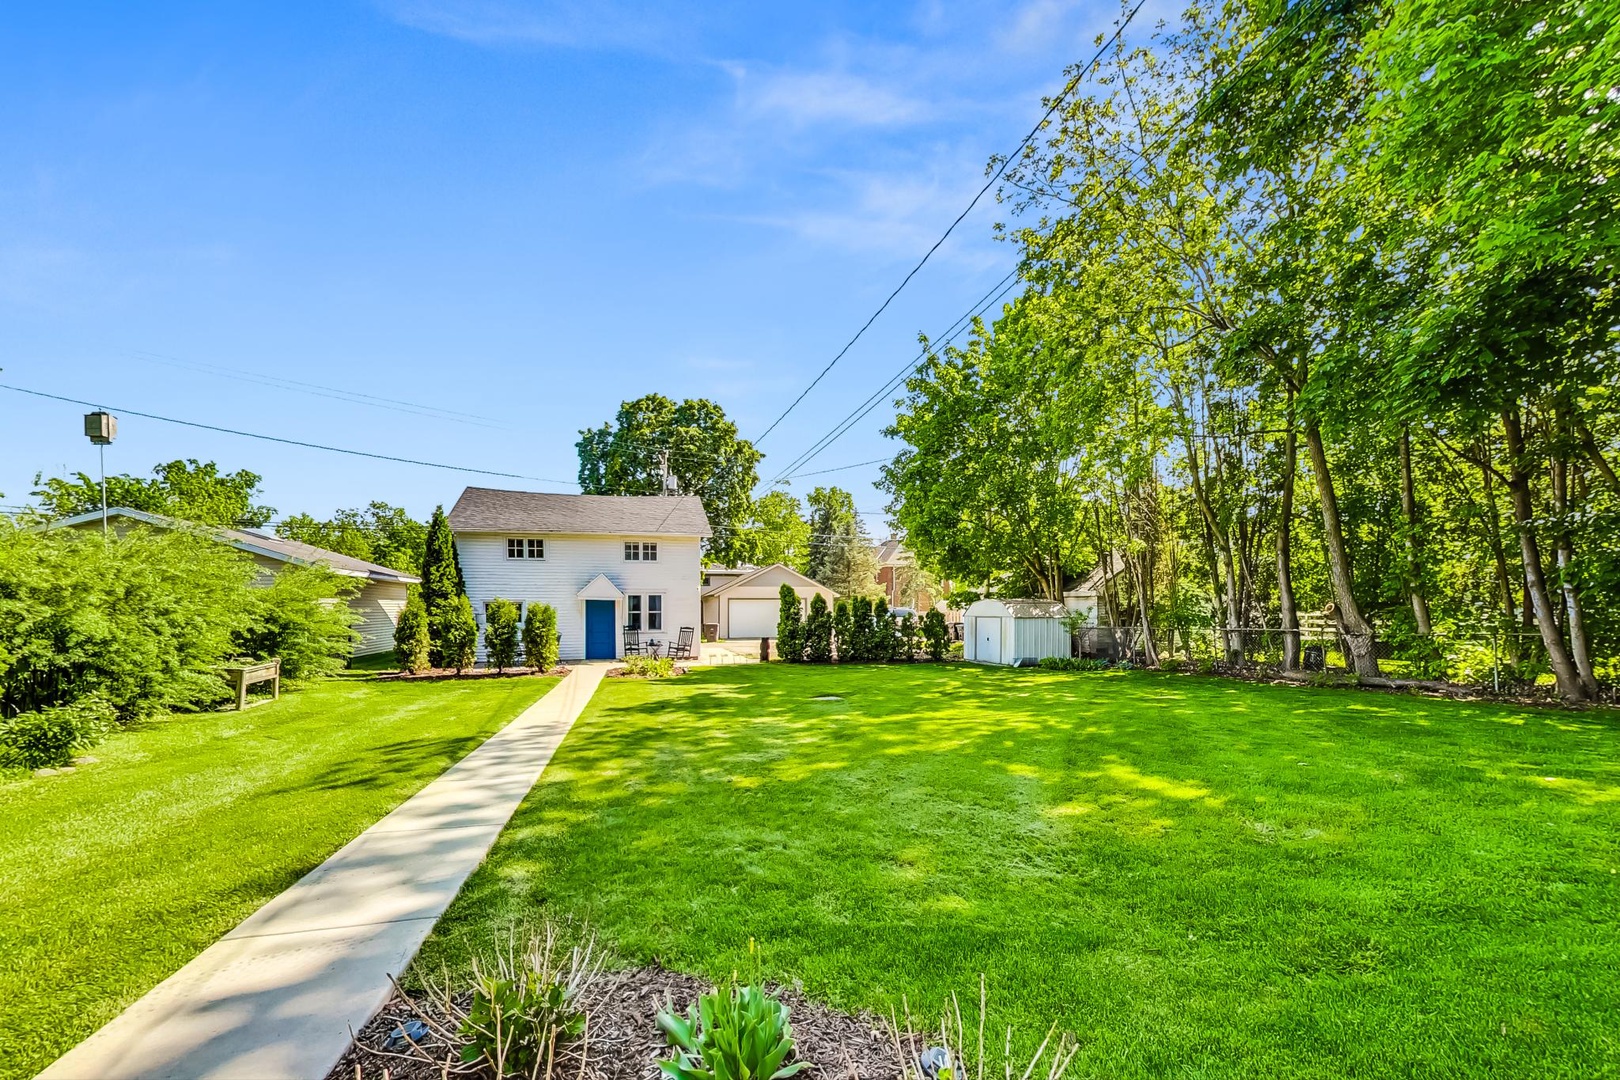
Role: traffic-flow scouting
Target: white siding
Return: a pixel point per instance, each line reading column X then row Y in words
column 378, row 605
column 570, row 564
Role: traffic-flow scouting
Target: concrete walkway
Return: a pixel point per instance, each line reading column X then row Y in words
column 275, row 997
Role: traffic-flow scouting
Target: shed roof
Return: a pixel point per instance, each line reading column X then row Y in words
column 494, row 510
column 254, row 542
column 1029, row 609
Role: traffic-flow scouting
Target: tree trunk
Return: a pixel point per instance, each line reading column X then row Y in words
column 1357, row 632
column 1493, row 535
column 1414, row 576
column 1535, row 580
column 1220, row 551
column 1564, row 554
column 1285, row 560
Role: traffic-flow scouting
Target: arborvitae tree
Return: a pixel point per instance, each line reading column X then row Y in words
column 860, row 636
column 411, row 634
column 540, row 637
column 456, row 633
column 501, row 633
column 909, row 637
column 441, row 580
column 885, row 635
column 844, row 630
column 789, row 629
column 934, row 633
column 818, row 632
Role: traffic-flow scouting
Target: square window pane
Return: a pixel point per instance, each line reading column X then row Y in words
column 649, row 552
column 632, row 551
column 537, row 549
column 514, row 549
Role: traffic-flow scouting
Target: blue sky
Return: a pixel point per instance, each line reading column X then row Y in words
column 519, row 213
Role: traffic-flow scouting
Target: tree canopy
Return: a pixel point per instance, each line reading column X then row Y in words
column 189, row 490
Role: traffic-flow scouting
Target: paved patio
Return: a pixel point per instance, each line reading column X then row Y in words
column 276, row 997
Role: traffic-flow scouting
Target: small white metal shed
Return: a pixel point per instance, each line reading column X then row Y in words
column 1014, row 632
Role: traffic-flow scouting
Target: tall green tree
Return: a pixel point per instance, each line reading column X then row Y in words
column 840, row 551
column 441, row 580
column 378, row 533
column 777, row 532
column 697, row 445
column 190, row 490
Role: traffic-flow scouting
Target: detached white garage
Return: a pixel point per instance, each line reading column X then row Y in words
column 746, row 603
column 1014, row 632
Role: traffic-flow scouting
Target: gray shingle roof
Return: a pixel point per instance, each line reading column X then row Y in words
column 493, row 510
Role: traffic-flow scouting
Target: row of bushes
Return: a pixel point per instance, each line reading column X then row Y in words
column 99, row 632
column 854, row 630
column 454, row 633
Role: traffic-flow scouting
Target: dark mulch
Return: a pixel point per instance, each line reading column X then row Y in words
column 624, row 1043
column 467, row 673
column 621, row 673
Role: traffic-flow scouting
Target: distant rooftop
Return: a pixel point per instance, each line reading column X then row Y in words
column 494, row 510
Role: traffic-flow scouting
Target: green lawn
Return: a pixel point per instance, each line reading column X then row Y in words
column 115, row 875
column 1199, row 877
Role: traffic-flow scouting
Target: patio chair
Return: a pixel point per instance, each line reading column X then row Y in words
column 632, row 642
column 681, row 649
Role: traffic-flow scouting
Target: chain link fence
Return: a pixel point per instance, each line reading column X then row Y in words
column 1501, row 662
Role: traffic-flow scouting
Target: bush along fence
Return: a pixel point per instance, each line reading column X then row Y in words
column 98, row 632
column 857, row 630
column 1498, row 661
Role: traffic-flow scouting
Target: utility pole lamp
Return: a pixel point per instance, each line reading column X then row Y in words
column 102, row 428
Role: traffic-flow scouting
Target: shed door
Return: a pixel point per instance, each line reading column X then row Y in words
column 987, row 639
column 754, row 618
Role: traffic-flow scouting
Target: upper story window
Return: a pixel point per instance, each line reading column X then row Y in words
column 525, row 549
column 637, row 551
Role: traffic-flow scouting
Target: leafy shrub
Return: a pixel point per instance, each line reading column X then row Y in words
column 934, row 634
column 501, row 633
column 740, row 1033
column 1170, row 664
column 789, row 628
column 411, row 634
column 302, row 616
column 540, row 637
column 844, row 630
column 818, row 632
column 456, row 630
column 1206, row 666
column 524, row 1006
column 49, row 737
column 955, row 650
column 143, row 621
column 1075, row 663
column 649, row 667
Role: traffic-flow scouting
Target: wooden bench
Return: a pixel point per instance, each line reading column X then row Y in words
column 243, row 676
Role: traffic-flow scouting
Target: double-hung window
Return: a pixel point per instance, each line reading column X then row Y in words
column 644, row 611
column 637, row 551
column 530, row 548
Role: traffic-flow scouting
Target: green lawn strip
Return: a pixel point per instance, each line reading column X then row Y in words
column 1199, row 877
column 114, row 876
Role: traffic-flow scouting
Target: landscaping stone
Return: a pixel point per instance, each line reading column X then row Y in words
column 624, row 1042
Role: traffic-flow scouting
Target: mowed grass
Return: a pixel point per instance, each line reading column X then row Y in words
column 114, row 876
column 1198, row 877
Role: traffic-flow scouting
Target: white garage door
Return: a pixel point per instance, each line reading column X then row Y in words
column 754, row 618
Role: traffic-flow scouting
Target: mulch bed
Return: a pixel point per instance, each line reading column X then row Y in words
column 624, row 1042
column 622, row 673
column 432, row 674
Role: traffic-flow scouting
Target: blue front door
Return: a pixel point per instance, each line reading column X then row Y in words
column 599, row 622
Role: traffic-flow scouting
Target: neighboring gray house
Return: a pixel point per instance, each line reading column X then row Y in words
column 604, row 562
column 378, row 603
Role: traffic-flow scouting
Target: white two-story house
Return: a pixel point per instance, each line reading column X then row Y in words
column 605, row 562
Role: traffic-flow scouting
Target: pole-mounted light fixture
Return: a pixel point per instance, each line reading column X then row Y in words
column 102, row 428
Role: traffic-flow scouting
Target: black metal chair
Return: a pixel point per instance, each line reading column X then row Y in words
column 632, row 642
column 681, row 649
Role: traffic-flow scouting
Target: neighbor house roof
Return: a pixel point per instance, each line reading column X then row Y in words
column 253, row 542
column 892, row 551
column 728, row 582
column 493, row 510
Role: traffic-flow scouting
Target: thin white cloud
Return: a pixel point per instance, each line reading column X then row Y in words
column 577, row 24
column 823, row 97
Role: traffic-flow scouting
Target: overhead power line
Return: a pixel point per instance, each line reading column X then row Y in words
column 1297, row 16
column 286, row 442
column 994, row 176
